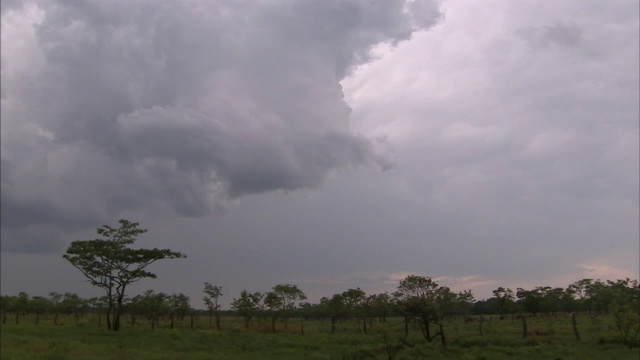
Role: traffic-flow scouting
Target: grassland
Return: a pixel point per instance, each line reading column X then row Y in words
column 550, row 337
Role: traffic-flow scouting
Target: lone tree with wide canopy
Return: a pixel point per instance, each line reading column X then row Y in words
column 111, row 264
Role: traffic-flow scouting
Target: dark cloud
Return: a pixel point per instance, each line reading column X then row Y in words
column 139, row 104
column 510, row 133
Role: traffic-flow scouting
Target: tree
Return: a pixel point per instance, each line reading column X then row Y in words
column 212, row 294
column 5, row 302
column 380, row 304
column 282, row 301
column 111, row 264
column 20, row 305
column 415, row 299
column 98, row 305
column 355, row 301
column 333, row 307
column 152, row 305
column 532, row 301
column 72, row 304
column 462, row 303
column 625, row 307
column 248, row 305
column 55, row 299
column 179, row 306
column 505, row 299
column 39, row 305
column 421, row 300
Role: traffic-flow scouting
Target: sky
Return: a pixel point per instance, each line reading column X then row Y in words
column 328, row 144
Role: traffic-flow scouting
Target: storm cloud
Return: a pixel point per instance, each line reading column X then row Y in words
column 254, row 137
column 110, row 106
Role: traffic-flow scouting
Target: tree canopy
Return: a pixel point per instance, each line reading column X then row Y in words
column 110, row 263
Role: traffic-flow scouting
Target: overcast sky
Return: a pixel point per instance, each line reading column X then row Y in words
column 327, row 144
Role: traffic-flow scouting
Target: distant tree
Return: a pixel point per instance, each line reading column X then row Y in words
column 598, row 296
column 421, row 300
column 625, row 307
column 415, row 299
column 355, row 302
column 55, row 299
column 461, row 304
column 273, row 304
column 579, row 289
column 152, row 305
column 111, row 264
column 545, row 299
column 73, row 304
column 248, row 305
column 282, row 301
column 308, row 310
column 179, row 307
column 20, row 304
column 380, row 306
column 505, row 299
column 334, row 308
column 352, row 304
column 5, row 302
column 532, row 301
column 98, row 305
column 38, row 305
column 212, row 294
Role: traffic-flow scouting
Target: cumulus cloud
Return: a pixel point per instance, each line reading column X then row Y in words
column 109, row 106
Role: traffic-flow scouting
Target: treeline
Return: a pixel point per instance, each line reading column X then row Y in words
column 420, row 301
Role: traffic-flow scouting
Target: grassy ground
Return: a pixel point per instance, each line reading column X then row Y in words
column 550, row 338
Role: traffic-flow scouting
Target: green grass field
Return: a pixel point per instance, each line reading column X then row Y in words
column 549, row 338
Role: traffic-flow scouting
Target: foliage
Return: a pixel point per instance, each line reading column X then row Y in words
column 111, row 264
column 626, row 310
column 282, row 301
column 248, row 305
column 212, row 295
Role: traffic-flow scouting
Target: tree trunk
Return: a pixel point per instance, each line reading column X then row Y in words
column 109, row 312
column 118, row 310
column 218, row 320
column 116, row 319
column 301, row 326
column 575, row 326
column 442, row 338
column 427, row 329
column 406, row 326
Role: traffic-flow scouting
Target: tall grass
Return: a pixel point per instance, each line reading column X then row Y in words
column 549, row 338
